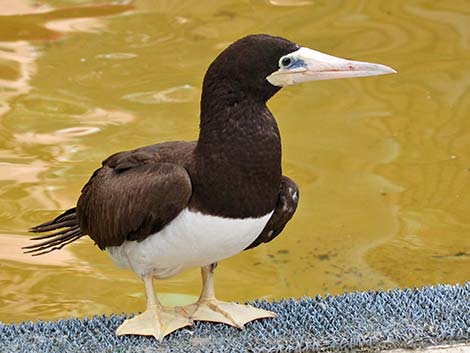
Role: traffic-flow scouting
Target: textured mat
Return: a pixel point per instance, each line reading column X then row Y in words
column 356, row 321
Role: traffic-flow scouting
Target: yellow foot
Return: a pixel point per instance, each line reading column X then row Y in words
column 228, row 313
column 156, row 321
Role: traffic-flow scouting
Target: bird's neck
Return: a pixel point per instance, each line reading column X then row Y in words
column 244, row 132
column 239, row 157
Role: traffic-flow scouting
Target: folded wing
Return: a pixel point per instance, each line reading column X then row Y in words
column 133, row 195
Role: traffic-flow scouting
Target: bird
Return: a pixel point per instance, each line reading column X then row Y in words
column 167, row 207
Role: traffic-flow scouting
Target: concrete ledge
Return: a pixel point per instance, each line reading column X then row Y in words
column 456, row 348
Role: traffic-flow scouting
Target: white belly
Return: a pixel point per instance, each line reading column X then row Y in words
column 191, row 239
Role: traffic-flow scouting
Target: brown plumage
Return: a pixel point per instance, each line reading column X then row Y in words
column 233, row 170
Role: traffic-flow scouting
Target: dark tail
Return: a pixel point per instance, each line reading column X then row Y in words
column 67, row 231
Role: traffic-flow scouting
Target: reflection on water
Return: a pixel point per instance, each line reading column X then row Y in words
column 17, row 65
column 382, row 163
column 179, row 94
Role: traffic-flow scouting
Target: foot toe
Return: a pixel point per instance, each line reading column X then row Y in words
column 154, row 322
column 228, row 313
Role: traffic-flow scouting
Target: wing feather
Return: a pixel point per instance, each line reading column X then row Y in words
column 132, row 200
column 134, row 194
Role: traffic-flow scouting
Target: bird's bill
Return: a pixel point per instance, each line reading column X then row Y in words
column 306, row 65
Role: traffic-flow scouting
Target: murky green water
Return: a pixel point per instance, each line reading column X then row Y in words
column 383, row 163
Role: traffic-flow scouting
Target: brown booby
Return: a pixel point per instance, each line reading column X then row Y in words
column 160, row 209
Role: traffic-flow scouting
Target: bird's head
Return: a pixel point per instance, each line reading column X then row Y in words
column 259, row 65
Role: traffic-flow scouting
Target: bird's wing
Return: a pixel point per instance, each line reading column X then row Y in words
column 285, row 209
column 133, row 195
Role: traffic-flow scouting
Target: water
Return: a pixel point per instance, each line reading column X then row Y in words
column 383, row 163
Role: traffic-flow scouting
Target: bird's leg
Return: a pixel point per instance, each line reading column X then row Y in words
column 208, row 308
column 156, row 320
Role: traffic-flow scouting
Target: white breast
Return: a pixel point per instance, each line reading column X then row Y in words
column 191, row 239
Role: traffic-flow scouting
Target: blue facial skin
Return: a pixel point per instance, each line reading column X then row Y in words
column 295, row 64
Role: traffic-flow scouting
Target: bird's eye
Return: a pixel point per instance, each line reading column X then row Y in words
column 286, row 61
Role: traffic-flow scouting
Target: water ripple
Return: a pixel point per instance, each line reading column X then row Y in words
column 117, row 56
column 178, row 94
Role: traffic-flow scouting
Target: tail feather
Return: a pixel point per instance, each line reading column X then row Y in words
column 68, row 230
column 69, row 215
column 48, row 228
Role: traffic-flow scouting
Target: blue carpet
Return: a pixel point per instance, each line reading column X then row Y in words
column 365, row 321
